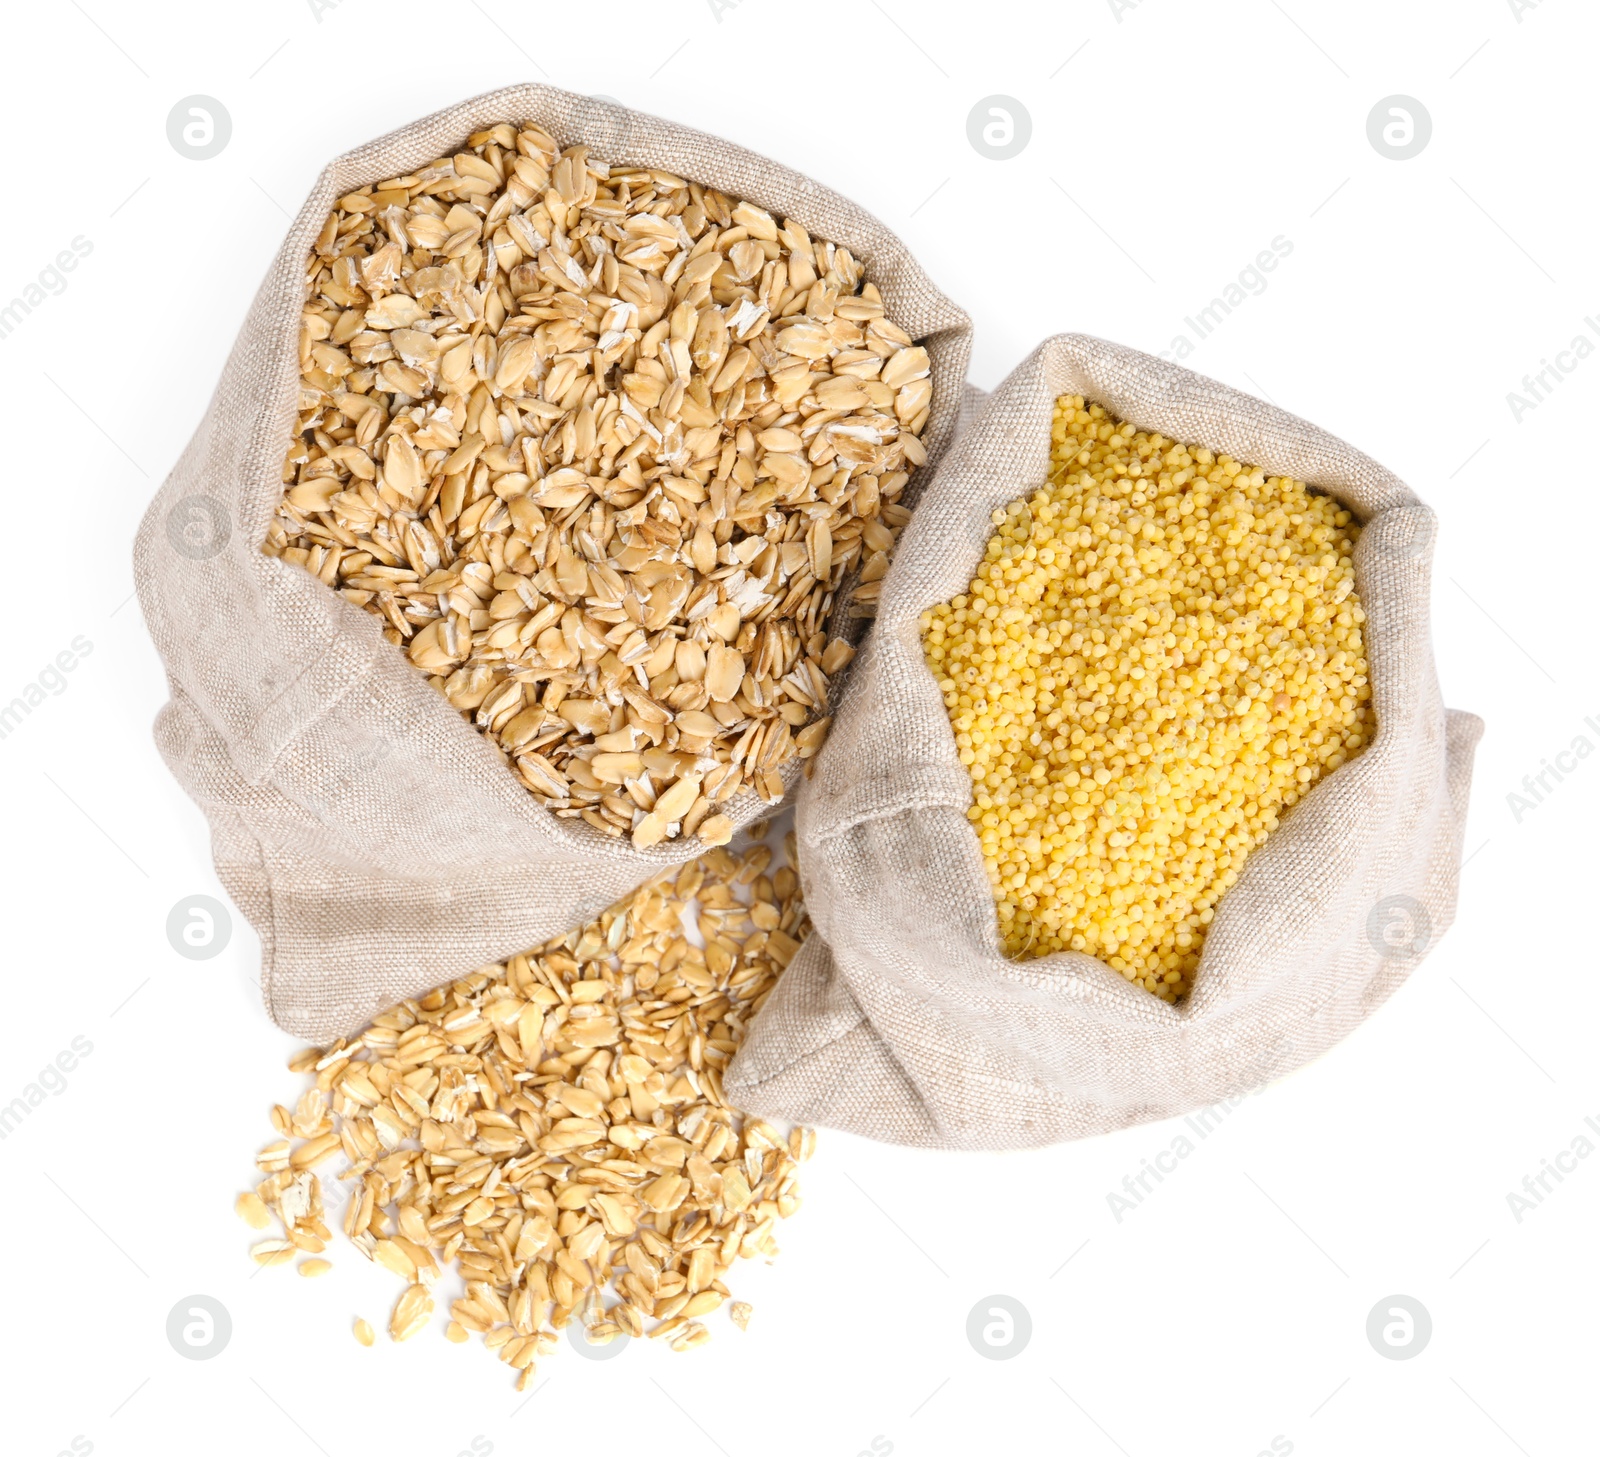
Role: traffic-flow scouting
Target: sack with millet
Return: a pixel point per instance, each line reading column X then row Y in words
column 1142, row 792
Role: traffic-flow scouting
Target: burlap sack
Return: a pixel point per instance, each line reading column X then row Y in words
column 367, row 832
column 900, row 1019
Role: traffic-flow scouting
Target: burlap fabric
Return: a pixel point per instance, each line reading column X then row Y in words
column 369, row 834
column 901, row 1020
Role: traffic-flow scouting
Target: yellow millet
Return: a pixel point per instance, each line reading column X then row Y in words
column 1160, row 652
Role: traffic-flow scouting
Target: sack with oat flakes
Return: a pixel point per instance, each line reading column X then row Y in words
column 597, row 431
column 901, row 1017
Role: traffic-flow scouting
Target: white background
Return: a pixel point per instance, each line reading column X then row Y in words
column 1170, row 144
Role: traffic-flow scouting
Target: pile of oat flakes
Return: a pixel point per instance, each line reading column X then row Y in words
column 553, row 1127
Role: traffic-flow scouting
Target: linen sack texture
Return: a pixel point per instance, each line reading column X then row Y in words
column 900, row 1019
column 376, row 842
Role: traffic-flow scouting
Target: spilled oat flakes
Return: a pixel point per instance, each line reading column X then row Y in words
column 554, row 1128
